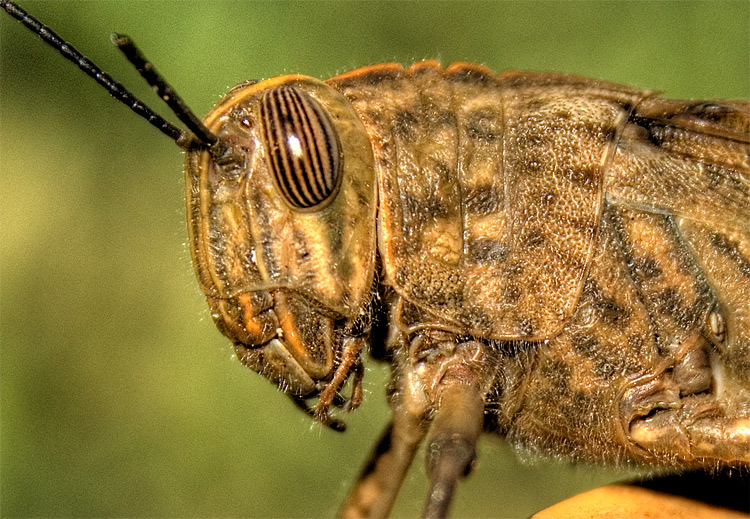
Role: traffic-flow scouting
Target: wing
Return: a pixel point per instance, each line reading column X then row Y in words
column 691, row 160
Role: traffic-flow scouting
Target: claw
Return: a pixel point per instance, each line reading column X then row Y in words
column 355, row 400
column 332, row 423
column 349, row 361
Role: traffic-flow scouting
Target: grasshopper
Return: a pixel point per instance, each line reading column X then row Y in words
column 558, row 260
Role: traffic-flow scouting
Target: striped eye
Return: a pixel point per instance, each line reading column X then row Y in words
column 302, row 147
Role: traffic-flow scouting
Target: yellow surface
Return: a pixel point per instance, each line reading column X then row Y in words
column 630, row 502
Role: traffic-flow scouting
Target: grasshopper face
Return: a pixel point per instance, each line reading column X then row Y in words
column 283, row 240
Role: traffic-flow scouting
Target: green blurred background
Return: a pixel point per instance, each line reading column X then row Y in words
column 118, row 395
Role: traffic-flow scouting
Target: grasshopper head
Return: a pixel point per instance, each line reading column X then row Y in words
column 283, row 240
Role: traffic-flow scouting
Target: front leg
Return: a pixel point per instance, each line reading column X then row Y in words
column 377, row 486
column 439, row 387
column 451, row 448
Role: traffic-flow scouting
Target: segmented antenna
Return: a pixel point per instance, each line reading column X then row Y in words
column 200, row 138
column 218, row 148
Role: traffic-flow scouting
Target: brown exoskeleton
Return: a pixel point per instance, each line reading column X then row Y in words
column 559, row 260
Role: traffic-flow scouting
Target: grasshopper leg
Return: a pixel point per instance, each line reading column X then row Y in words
column 348, row 364
column 451, row 448
column 377, row 486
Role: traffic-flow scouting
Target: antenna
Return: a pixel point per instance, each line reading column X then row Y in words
column 219, row 150
column 200, row 138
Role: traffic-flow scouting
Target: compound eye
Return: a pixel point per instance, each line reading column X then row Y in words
column 303, row 149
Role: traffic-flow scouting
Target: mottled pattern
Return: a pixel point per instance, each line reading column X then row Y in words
column 589, row 234
column 724, row 256
column 626, row 330
column 566, row 260
column 680, row 157
column 691, row 160
column 490, row 188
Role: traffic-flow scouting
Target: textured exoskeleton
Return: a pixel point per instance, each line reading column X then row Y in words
column 559, row 260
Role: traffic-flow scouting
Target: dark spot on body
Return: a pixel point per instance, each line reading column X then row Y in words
column 511, row 293
column 646, row 267
column 483, row 200
column 533, row 239
column 484, row 250
column 604, row 305
column 423, row 210
column 433, row 115
column 662, row 349
column 611, row 312
column 445, row 172
column 692, row 315
column 585, row 345
column 584, row 176
column 604, row 369
column 513, row 269
column 671, row 303
column 722, row 244
column 404, row 125
column 730, row 249
column 668, row 302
